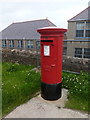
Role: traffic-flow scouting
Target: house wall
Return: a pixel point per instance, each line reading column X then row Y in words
column 71, row 30
column 72, row 45
column 71, row 35
column 16, row 45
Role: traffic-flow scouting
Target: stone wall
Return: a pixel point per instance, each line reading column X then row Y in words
column 31, row 58
column 17, row 56
column 76, row 64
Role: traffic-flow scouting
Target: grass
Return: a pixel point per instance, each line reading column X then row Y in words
column 77, row 103
column 0, row 90
column 78, row 86
column 19, row 84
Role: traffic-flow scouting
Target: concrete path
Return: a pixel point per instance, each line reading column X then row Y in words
column 39, row 108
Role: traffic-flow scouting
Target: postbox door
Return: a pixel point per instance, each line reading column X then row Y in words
column 50, row 68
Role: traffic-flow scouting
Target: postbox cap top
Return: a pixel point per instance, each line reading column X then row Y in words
column 51, row 29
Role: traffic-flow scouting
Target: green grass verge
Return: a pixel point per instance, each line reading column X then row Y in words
column 0, row 89
column 77, row 103
column 19, row 84
column 78, row 86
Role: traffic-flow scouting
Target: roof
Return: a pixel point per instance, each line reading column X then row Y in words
column 25, row 30
column 84, row 15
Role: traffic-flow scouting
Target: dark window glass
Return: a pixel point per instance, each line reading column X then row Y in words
column 80, row 25
column 30, row 44
column 79, row 33
column 20, row 43
column 87, row 33
column 64, row 50
column 11, row 43
column 87, row 25
column 3, row 43
column 86, row 52
column 78, row 52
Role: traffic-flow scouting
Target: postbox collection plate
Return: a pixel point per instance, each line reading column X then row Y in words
column 46, row 50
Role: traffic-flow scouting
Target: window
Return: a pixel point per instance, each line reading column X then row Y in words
column 80, row 29
column 80, row 25
column 78, row 52
column 82, row 52
column 86, row 52
column 3, row 43
column 64, row 50
column 87, row 33
column 38, row 44
column 87, row 29
column 30, row 44
column 83, row 29
column 79, row 33
column 87, row 25
column 20, row 43
column 11, row 43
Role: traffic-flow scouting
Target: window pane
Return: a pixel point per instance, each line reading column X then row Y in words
column 80, row 25
column 86, row 52
column 3, row 43
column 11, row 43
column 79, row 33
column 78, row 52
column 30, row 44
column 64, row 50
column 87, row 25
column 87, row 33
column 20, row 43
column 38, row 44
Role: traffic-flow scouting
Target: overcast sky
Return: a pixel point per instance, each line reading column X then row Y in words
column 57, row 11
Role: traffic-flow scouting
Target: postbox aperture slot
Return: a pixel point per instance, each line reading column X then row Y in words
column 46, row 40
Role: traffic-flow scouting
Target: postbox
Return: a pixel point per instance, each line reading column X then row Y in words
column 51, row 41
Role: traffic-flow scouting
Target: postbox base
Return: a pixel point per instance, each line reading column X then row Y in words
column 51, row 91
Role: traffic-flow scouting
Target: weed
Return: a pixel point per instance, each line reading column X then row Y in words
column 78, row 86
column 19, row 84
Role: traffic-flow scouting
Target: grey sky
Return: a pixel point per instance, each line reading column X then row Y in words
column 57, row 11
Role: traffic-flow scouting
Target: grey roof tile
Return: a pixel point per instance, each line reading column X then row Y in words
column 25, row 30
column 84, row 15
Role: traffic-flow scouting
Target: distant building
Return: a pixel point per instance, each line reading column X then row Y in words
column 78, row 35
column 23, row 35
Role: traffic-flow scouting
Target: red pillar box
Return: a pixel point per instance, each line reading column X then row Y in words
column 51, row 62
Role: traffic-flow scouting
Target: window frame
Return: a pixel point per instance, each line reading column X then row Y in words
column 85, row 28
column 11, row 43
column 86, row 55
column 87, row 34
column 64, row 50
column 4, row 43
column 30, row 44
column 79, row 34
column 88, row 26
column 20, row 43
column 80, row 26
column 76, row 54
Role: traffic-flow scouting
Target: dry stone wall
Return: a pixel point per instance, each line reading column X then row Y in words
column 31, row 58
